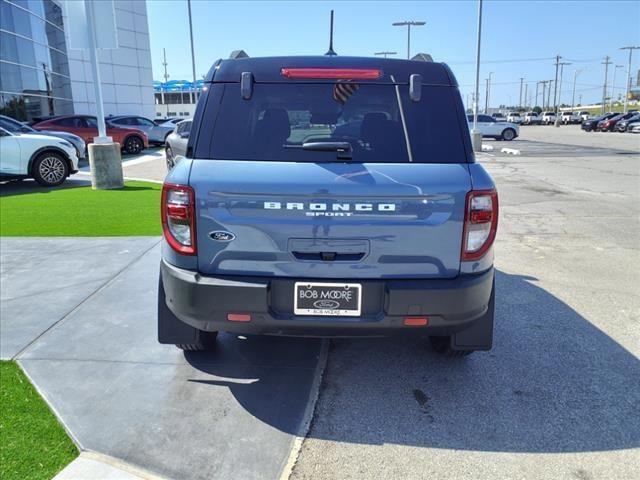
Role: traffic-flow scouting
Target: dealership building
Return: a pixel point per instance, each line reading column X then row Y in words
column 41, row 76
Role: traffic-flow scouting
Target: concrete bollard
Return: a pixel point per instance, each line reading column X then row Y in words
column 105, row 163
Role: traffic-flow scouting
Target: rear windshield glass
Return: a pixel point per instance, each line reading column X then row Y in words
column 280, row 121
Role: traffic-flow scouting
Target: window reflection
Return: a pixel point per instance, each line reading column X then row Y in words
column 34, row 69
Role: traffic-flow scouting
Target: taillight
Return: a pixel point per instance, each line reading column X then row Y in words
column 178, row 218
column 332, row 73
column 480, row 223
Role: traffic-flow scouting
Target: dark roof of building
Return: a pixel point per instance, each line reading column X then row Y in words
column 269, row 69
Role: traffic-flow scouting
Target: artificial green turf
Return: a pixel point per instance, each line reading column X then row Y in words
column 81, row 211
column 33, row 445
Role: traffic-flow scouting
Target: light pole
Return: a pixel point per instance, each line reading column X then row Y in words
column 408, row 24
column 193, row 56
column 537, row 85
column 606, row 64
column 626, row 97
column 520, row 100
column 526, row 91
column 487, row 93
column 555, row 86
column 562, row 64
column 385, row 53
column 613, row 86
column 476, row 136
column 573, row 95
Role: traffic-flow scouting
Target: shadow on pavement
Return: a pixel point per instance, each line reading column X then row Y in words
column 269, row 376
column 20, row 187
column 552, row 383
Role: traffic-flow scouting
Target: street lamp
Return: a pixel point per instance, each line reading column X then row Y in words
column 408, row 24
column 476, row 136
column 385, row 53
column 487, row 93
column 193, row 55
column 562, row 64
column 626, row 97
column 573, row 95
column 613, row 86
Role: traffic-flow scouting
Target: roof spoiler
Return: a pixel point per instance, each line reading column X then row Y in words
column 422, row 57
column 238, row 54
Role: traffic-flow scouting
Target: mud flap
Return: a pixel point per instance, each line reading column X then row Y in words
column 170, row 329
column 480, row 335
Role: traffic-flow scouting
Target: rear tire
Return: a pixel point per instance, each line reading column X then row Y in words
column 133, row 145
column 508, row 134
column 50, row 169
column 206, row 342
column 442, row 345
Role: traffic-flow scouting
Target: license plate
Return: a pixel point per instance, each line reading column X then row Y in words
column 327, row 299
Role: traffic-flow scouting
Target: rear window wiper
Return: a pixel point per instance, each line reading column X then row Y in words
column 343, row 149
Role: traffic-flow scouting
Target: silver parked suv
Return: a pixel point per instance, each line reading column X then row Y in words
column 175, row 146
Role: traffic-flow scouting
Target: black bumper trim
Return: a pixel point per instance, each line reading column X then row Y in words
column 203, row 302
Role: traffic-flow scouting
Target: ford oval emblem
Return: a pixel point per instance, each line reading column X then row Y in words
column 328, row 304
column 222, row 236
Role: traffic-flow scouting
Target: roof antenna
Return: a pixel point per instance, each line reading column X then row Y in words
column 331, row 52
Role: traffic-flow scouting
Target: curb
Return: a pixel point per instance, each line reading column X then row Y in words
column 305, row 425
column 92, row 465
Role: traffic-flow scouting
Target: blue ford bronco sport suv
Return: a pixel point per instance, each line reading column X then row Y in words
column 328, row 196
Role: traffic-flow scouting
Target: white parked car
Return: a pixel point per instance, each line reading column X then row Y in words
column 532, row 118
column 514, row 117
column 569, row 117
column 48, row 160
column 548, row 118
column 584, row 116
column 491, row 128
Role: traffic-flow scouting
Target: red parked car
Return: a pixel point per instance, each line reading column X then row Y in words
column 608, row 124
column 131, row 140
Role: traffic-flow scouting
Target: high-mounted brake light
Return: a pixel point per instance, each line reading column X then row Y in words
column 480, row 223
column 335, row 73
column 178, row 217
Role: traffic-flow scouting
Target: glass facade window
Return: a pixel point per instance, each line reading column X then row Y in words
column 34, row 68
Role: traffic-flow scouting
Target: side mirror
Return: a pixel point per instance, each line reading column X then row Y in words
column 415, row 87
column 184, row 135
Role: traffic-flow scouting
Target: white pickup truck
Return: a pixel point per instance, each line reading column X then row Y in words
column 570, row 117
column 532, row 118
column 514, row 117
column 548, row 118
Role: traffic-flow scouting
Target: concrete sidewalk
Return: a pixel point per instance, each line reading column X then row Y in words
column 230, row 414
column 44, row 279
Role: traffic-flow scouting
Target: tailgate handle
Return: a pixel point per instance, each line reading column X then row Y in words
column 329, row 256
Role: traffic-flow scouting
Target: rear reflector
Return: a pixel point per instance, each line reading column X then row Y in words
column 239, row 317
column 416, row 321
column 336, row 73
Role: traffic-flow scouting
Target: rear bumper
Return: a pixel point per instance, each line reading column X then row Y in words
column 203, row 302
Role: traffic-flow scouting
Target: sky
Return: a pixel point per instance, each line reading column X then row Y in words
column 519, row 38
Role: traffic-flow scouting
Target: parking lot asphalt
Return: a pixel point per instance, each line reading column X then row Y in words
column 231, row 414
column 558, row 397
